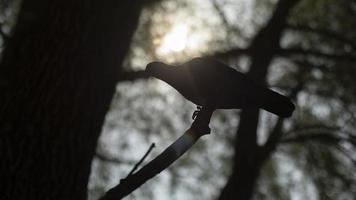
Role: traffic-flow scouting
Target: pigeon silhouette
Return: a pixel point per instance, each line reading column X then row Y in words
column 211, row 84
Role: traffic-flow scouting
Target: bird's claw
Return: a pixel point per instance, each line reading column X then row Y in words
column 196, row 112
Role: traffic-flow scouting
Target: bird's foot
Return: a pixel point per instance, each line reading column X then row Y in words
column 196, row 112
column 201, row 118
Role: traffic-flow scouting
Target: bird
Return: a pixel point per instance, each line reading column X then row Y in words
column 209, row 83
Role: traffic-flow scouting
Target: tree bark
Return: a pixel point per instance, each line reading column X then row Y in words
column 57, row 77
column 247, row 158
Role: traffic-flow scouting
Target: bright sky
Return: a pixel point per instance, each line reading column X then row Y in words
column 180, row 39
column 190, row 32
column 175, row 40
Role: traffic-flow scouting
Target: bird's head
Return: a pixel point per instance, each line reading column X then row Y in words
column 161, row 71
column 154, row 68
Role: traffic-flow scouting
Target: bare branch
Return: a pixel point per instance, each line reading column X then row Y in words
column 323, row 137
column 324, row 32
column 277, row 133
column 231, row 30
column 273, row 139
column 346, row 154
column 105, row 158
column 142, row 159
column 306, row 64
column 221, row 13
column 311, row 52
column 236, row 52
column 163, row 160
column 317, row 127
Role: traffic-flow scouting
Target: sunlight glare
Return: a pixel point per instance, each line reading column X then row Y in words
column 175, row 40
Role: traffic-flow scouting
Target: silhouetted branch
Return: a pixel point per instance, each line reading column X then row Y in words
column 323, row 137
column 236, row 52
column 231, row 30
column 273, row 139
column 221, row 13
column 324, row 32
column 105, row 158
column 263, row 48
column 314, row 127
column 163, row 160
column 310, row 52
column 277, row 133
column 142, row 159
column 346, row 154
column 306, row 64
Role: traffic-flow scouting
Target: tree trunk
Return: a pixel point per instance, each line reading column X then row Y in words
column 247, row 159
column 57, row 77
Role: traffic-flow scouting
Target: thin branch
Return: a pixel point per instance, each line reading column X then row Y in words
column 221, row 13
column 236, row 52
column 286, row 52
column 162, row 161
column 142, row 159
column 277, row 132
column 311, row 52
column 105, row 158
column 317, row 127
column 323, row 137
column 231, row 30
column 324, row 32
column 306, row 64
column 346, row 154
column 273, row 139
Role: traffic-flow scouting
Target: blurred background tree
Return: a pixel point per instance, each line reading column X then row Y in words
column 304, row 49
column 311, row 50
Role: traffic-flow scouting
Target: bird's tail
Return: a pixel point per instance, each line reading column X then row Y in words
column 276, row 103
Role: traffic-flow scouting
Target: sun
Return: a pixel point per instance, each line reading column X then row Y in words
column 174, row 41
column 181, row 41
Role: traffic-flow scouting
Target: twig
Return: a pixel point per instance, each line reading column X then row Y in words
column 142, row 159
column 324, row 32
column 316, row 53
column 346, row 154
column 105, row 158
column 133, row 181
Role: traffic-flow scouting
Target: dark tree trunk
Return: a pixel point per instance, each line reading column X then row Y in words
column 248, row 158
column 58, row 75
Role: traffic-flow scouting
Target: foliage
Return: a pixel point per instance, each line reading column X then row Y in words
column 315, row 157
